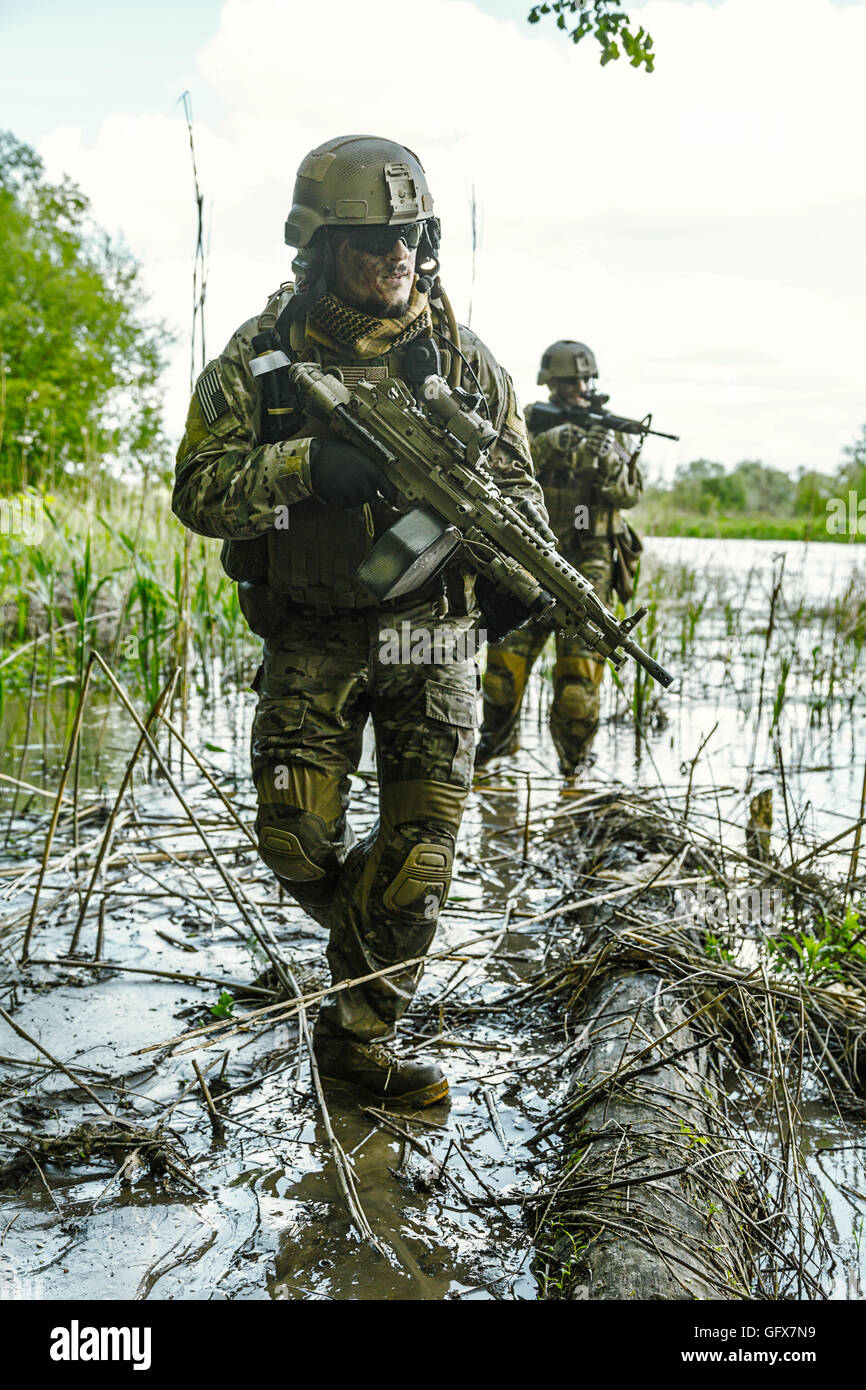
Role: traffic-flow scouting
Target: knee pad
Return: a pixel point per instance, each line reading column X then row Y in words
column 576, row 683
column 421, row 882
column 576, row 701
column 284, row 837
column 505, row 677
column 499, row 687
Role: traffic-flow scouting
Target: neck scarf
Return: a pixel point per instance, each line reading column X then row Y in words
column 366, row 335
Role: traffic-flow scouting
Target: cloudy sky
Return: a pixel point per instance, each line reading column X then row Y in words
column 702, row 228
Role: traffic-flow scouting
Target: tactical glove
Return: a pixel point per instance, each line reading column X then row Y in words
column 600, row 441
column 530, row 512
column 564, row 438
column 501, row 613
column 343, row 476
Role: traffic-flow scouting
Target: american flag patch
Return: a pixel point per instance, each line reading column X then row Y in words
column 211, row 396
column 352, row 375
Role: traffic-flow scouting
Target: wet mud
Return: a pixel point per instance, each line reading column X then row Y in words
column 251, row 1208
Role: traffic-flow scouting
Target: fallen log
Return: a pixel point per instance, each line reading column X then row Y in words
column 654, row 1198
column 652, row 1182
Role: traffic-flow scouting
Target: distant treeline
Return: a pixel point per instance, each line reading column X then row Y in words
column 752, row 498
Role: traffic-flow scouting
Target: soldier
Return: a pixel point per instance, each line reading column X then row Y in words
column 588, row 478
column 298, row 509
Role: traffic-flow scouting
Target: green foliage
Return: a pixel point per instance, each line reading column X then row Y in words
column 753, row 500
column 79, row 365
column 703, row 486
column 224, row 1005
column 105, row 574
column 608, row 24
column 692, row 1138
column 663, row 521
column 558, row 1257
column 85, row 589
column 823, row 954
column 812, row 492
column 154, row 629
column 714, row 949
column 853, row 471
column 765, row 489
column 781, row 687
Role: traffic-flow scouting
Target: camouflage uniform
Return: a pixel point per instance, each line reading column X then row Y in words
column 321, row 676
column 584, row 497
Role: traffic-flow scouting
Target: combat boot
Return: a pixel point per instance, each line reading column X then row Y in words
column 377, row 1068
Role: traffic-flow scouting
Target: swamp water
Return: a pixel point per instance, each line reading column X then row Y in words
column 439, row 1189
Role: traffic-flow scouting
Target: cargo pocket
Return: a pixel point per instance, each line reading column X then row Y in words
column 276, row 733
column 456, row 708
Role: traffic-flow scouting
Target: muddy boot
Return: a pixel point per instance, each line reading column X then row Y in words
column 375, row 1067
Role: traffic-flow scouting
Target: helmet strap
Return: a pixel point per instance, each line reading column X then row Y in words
column 316, row 271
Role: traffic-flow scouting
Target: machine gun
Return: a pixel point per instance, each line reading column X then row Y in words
column 545, row 415
column 431, row 446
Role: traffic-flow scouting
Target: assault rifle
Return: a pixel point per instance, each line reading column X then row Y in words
column 431, row 446
column 545, row 415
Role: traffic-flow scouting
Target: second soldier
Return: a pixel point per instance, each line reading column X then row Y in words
column 589, row 476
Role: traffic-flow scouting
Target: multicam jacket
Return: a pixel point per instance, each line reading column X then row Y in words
column 286, row 546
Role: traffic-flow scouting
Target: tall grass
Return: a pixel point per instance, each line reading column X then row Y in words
column 92, row 581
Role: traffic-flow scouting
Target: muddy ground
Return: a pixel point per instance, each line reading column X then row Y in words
column 257, row 1212
column 247, row 1205
column 446, row 1200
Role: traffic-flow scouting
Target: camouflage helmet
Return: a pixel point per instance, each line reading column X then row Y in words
column 567, row 359
column 356, row 181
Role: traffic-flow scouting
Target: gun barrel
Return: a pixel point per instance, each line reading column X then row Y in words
column 625, row 425
column 650, row 665
column 546, row 414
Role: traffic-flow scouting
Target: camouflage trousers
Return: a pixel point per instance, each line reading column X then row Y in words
column 320, row 681
column 577, row 675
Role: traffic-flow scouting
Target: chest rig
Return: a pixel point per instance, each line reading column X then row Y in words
column 313, row 560
column 567, row 481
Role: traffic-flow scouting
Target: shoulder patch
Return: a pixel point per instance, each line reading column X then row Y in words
column 211, row 396
column 515, row 417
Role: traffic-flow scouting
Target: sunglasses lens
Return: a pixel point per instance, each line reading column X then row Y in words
column 377, row 240
column 411, row 234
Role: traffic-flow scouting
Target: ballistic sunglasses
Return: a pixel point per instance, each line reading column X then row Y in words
column 377, row 240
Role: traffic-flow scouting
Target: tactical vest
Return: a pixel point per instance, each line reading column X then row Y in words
column 564, row 488
column 568, row 484
column 313, row 560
